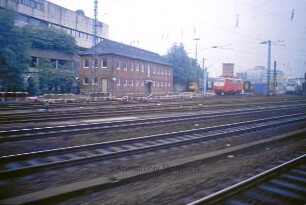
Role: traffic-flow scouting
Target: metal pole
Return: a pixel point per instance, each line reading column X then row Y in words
column 95, row 61
column 196, row 58
column 269, row 67
column 274, row 79
column 204, row 77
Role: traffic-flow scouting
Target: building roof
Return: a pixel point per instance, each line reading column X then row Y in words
column 115, row 48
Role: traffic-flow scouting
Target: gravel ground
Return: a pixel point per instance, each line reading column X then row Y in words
column 62, row 176
column 88, row 138
column 181, row 187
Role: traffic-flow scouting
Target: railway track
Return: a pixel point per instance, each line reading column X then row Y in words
column 26, row 163
column 116, row 111
column 109, row 104
column 42, row 132
column 283, row 184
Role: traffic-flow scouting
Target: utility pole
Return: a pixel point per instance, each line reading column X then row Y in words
column 269, row 67
column 269, row 63
column 95, row 60
column 274, row 79
column 196, row 57
column 204, row 77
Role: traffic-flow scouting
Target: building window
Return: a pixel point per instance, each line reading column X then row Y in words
column 149, row 71
column 85, row 81
column 32, row 4
column 34, row 62
column 94, row 63
column 154, row 84
column 154, row 70
column 95, row 81
column 132, row 66
column 162, row 71
column 141, row 83
column 104, row 63
column 137, row 67
column 118, row 82
column 125, row 66
column 86, row 63
column 142, row 67
column 157, row 83
column 131, row 82
column 118, row 65
column 136, row 82
column 125, row 83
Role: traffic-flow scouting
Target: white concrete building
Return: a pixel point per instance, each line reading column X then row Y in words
column 44, row 13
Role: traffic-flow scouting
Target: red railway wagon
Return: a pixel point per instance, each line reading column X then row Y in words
column 227, row 86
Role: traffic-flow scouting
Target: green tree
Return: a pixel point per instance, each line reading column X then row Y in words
column 51, row 39
column 13, row 52
column 50, row 78
column 185, row 69
column 32, row 87
column 177, row 56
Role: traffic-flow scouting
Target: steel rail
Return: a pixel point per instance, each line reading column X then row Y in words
column 206, row 134
column 89, row 113
column 28, row 105
column 230, row 191
column 39, row 132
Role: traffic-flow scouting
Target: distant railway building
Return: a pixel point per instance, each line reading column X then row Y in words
column 123, row 69
column 228, row 70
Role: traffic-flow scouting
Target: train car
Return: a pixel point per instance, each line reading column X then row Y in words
column 223, row 86
column 295, row 87
column 292, row 88
column 247, row 86
column 193, row 87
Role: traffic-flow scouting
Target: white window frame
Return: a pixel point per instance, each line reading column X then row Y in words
column 125, row 66
column 84, row 83
column 149, row 71
column 125, row 83
column 118, row 65
column 103, row 60
column 85, row 63
column 136, row 82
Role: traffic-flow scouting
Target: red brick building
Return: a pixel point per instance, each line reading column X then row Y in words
column 123, row 69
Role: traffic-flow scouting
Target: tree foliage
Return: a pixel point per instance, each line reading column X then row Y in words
column 51, row 39
column 14, row 45
column 13, row 52
column 185, row 70
column 50, row 78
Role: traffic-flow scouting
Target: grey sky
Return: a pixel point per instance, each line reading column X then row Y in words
column 241, row 24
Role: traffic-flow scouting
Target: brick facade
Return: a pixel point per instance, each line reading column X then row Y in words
column 123, row 75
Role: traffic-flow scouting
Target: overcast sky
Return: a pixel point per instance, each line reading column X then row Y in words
column 235, row 27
